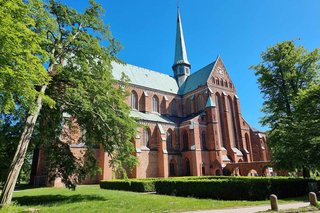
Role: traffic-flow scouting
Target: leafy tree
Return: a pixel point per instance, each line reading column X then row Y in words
column 307, row 125
column 81, row 84
column 21, row 73
column 285, row 70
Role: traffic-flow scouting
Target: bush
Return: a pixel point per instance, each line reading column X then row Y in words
column 233, row 188
column 216, row 187
column 135, row 185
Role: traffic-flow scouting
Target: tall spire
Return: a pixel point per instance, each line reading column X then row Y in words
column 181, row 65
column 181, row 51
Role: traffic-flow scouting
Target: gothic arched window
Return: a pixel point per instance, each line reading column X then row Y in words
column 200, row 102
column 169, row 140
column 189, row 106
column 155, row 104
column 134, row 100
column 146, row 138
column 174, row 107
column 231, row 122
column 203, row 141
column 185, row 141
column 220, row 120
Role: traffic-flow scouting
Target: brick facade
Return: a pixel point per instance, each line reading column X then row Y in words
column 193, row 127
column 204, row 140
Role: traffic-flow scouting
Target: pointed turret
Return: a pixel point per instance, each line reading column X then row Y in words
column 181, row 66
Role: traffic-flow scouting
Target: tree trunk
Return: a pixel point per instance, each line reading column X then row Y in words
column 20, row 154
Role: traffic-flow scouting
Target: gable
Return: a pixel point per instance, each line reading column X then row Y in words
column 219, row 76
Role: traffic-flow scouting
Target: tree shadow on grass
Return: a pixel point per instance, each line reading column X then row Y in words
column 49, row 200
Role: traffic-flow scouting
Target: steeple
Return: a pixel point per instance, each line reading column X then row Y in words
column 181, row 66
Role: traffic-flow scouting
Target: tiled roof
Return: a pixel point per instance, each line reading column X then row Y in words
column 150, row 117
column 197, row 79
column 159, row 81
column 145, row 77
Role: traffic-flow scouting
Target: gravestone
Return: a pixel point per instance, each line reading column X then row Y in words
column 274, row 203
column 313, row 199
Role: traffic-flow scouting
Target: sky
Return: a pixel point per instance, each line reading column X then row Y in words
column 237, row 30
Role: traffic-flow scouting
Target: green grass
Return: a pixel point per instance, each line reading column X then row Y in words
column 93, row 199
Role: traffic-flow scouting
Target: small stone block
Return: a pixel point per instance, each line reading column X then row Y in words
column 274, row 203
column 313, row 199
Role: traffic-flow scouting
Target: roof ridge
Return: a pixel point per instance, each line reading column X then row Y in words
column 203, row 68
column 150, row 70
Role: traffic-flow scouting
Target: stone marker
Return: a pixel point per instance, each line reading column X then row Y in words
column 274, row 203
column 313, row 199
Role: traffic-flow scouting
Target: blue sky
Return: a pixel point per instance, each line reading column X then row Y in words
column 237, row 30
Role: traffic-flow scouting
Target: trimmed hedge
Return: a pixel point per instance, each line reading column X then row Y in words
column 129, row 185
column 234, row 188
column 216, row 187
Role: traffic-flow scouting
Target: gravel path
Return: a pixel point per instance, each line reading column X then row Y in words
column 253, row 209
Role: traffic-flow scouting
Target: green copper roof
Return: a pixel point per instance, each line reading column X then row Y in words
column 159, row 81
column 210, row 102
column 150, row 117
column 197, row 79
column 146, row 78
column 180, row 56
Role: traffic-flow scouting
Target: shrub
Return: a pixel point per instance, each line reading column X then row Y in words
column 129, row 185
column 216, row 187
column 233, row 188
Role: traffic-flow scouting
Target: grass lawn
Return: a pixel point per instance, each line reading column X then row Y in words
column 90, row 198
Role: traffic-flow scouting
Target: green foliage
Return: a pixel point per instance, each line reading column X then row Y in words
column 82, row 86
column 285, row 72
column 234, row 188
column 304, row 129
column 79, row 82
column 21, row 59
column 224, row 188
column 9, row 137
column 134, row 185
column 308, row 115
column 285, row 68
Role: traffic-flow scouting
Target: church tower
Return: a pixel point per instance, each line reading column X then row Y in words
column 181, row 66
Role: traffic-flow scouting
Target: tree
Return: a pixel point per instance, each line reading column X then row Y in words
column 285, row 70
column 307, row 125
column 81, row 84
column 21, row 72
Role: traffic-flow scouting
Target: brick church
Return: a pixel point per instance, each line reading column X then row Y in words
column 192, row 123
